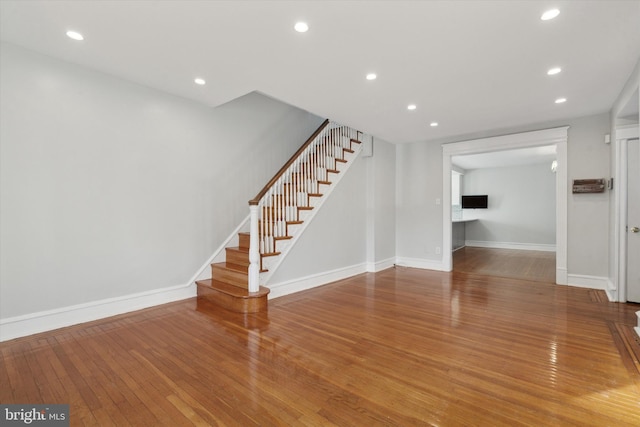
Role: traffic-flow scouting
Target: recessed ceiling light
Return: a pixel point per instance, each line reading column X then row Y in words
column 199, row 81
column 554, row 71
column 433, row 124
column 550, row 14
column 301, row 27
column 561, row 100
column 75, row 35
column 411, row 107
column 371, row 76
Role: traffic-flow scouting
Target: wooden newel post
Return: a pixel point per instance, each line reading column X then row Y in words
column 254, row 251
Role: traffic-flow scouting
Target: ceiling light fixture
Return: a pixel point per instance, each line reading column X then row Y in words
column 199, row 81
column 554, row 71
column 411, row 107
column 75, row 35
column 550, row 14
column 433, row 124
column 301, row 27
column 561, row 100
column 371, row 76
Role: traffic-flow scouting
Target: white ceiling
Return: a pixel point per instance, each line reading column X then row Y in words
column 472, row 66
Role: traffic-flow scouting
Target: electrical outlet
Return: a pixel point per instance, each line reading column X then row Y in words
column 437, row 201
column 438, row 250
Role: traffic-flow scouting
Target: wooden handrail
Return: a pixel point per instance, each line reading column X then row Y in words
column 282, row 170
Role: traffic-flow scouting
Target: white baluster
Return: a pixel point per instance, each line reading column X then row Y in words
column 254, row 252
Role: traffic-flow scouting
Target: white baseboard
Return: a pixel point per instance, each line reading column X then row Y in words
column 426, row 264
column 374, row 267
column 584, row 281
column 511, row 245
column 612, row 291
column 33, row 323
column 314, row 280
column 562, row 276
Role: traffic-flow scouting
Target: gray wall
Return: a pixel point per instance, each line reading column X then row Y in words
column 419, row 186
column 110, row 188
column 522, row 204
column 337, row 235
column 418, row 190
column 588, row 225
column 384, row 183
column 360, row 213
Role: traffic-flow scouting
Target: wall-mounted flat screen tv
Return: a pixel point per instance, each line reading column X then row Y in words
column 475, row 202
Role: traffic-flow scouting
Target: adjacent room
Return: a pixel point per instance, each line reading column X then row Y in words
column 504, row 213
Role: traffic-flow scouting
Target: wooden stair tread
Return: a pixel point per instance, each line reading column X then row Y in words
column 270, row 254
column 231, row 289
column 231, row 266
column 231, row 297
column 238, row 249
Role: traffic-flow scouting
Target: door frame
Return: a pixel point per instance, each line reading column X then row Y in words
column 556, row 136
column 617, row 291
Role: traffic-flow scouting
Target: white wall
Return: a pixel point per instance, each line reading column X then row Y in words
column 522, row 205
column 419, row 185
column 111, row 189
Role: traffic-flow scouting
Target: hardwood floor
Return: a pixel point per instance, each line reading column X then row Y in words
column 402, row 347
column 518, row 264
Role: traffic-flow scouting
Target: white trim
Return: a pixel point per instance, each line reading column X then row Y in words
column 425, row 264
column 611, row 290
column 627, row 132
column 557, row 136
column 511, row 245
column 315, row 280
column 623, row 135
column 374, row 267
column 591, row 282
column 33, row 323
column 204, row 272
column 562, row 276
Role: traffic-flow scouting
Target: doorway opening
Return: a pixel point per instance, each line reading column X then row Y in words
column 513, row 234
column 556, row 138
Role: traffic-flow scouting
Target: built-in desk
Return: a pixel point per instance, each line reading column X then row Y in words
column 458, row 227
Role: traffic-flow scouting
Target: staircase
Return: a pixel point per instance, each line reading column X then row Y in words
column 279, row 215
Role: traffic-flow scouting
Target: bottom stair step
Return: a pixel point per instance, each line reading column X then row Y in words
column 232, row 297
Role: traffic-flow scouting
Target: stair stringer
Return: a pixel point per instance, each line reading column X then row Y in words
column 272, row 263
column 219, row 254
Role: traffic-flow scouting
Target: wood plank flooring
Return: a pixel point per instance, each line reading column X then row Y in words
column 539, row 266
column 403, row 347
